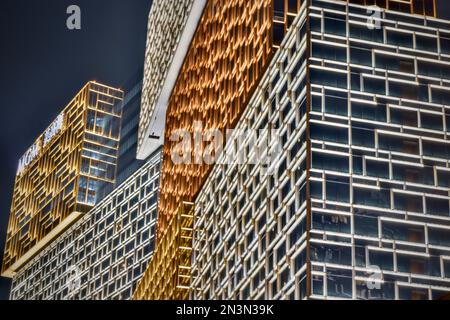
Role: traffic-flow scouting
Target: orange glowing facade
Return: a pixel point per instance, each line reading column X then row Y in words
column 234, row 42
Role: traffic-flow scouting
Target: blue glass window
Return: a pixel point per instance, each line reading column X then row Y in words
column 331, row 253
column 363, row 137
column 316, row 24
column 413, row 174
column 335, row 24
column 404, row 90
column 329, row 78
column 441, row 96
column 330, row 162
column 432, row 121
column 333, row 223
column 438, row 207
column 316, row 190
column 316, row 103
column 403, row 232
column 373, row 198
column 404, row 117
column 398, row 144
column 329, row 133
column 436, row 149
column 336, row 102
column 445, row 44
column 362, row 32
column 361, row 56
column 426, row 43
column 383, row 260
column 368, row 111
column 408, row 202
column 329, row 52
column 400, row 39
column 377, row 169
column 375, row 86
column 444, row 179
column 340, row 284
column 394, row 63
column 434, row 70
column 439, row 237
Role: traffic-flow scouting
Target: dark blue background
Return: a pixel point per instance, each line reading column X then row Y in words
column 43, row 65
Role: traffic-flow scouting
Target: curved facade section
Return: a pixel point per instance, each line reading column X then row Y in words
column 171, row 26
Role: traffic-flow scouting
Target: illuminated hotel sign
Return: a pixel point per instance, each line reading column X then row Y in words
column 54, row 129
column 28, row 157
column 33, row 152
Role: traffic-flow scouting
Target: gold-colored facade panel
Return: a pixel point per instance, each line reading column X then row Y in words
column 233, row 44
column 59, row 176
column 169, row 273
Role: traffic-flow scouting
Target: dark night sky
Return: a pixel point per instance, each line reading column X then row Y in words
column 43, row 65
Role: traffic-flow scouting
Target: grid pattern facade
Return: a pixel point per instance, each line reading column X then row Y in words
column 379, row 134
column 169, row 273
column 244, row 216
column 59, row 176
column 105, row 253
column 233, row 44
column 362, row 182
column 166, row 22
column 127, row 164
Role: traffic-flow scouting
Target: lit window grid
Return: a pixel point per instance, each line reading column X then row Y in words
column 234, row 236
column 339, row 265
column 47, row 276
column 356, row 276
column 48, row 192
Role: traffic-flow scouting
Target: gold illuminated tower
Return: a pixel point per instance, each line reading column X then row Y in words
column 59, row 176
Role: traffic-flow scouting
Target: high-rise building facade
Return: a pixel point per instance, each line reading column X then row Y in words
column 232, row 46
column 357, row 206
column 343, row 105
column 230, row 50
column 127, row 163
column 59, row 177
column 105, row 253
